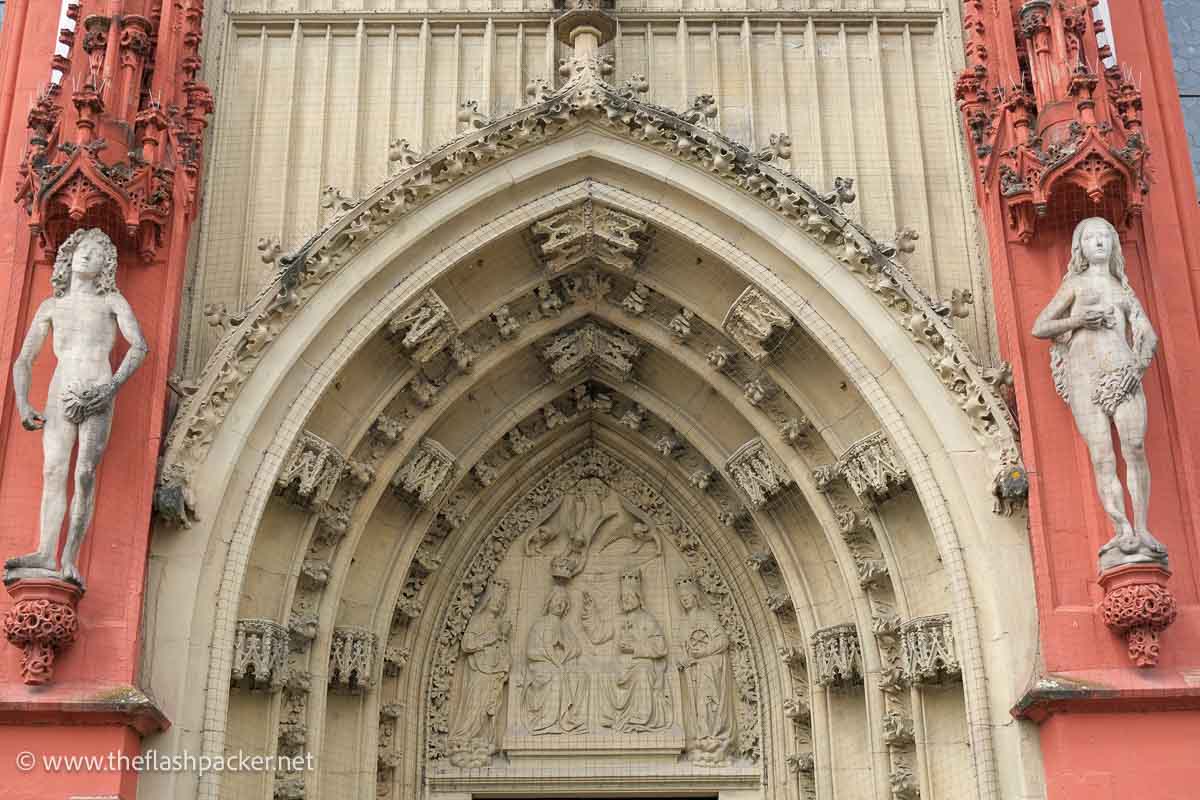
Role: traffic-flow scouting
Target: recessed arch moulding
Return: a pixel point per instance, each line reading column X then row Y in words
column 737, row 344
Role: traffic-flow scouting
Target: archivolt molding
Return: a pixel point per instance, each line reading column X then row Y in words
column 544, row 297
column 585, row 99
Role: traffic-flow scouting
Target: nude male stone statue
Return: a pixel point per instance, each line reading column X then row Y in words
column 1103, row 343
column 84, row 315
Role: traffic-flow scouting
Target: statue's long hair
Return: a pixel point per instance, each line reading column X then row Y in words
column 1139, row 323
column 106, row 281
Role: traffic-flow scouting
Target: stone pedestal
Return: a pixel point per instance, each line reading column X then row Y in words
column 1138, row 605
column 42, row 621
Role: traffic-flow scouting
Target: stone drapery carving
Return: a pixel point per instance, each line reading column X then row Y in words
column 871, row 467
column 42, row 621
column 591, row 232
column 427, row 471
column 424, row 328
column 556, row 689
column 260, row 650
column 755, row 471
column 592, row 346
column 637, row 697
column 83, row 317
column 310, row 471
column 707, row 678
column 1102, row 346
column 837, row 655
column 514, row 524
column 352, row 659
column 756, row 323
column 927, row 650
column 486, row 663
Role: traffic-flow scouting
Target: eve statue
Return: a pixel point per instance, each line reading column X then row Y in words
column 1103, row 344
column 82, row 318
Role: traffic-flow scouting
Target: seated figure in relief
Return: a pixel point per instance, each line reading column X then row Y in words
column 637, row 695
column 708, row 677
column 556, row 690
column 475, row 712
column 1103, row 344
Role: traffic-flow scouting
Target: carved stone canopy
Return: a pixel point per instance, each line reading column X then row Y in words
column 424, row 328
column 591, row 233
column 757, row 323
column 427, row 471
column 592, row 345
column 260, row 651
column 310, row 471
column 352, row 659
column 871, row 467
column 755, row 471
column 837, row 655
column 927, row 650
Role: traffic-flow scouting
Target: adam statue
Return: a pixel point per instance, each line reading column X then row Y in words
column 1103, row 344
column 84, row 315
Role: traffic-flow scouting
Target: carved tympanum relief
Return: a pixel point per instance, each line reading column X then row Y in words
column 83, row 317
column 1102, row 346
column 616, row 637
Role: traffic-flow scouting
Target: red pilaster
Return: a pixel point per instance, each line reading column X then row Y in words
column 1105, row 729
column 142, row 63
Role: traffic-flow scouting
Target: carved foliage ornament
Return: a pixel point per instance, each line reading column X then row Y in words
column 591, row 233
column 585, row 98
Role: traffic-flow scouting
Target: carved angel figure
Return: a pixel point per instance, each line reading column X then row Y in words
column 82, row 318
column 708, row 677
column 474, row 715
column 1103, row 344
column 556, row 690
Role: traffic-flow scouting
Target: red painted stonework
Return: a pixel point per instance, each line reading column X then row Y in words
column 1105, row 730
column 92, row 704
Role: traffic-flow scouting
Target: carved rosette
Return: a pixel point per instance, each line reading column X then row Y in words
column 927, row 650
column 757, row 323
column 260, row 651
column 1138, row 606
column 427, row 471
column 591, row 233
column 754, row 470
column 838, row 656
column 310, row 471
column 42, row 622
column 352, row 659
column 424, row 328
column 589, row 346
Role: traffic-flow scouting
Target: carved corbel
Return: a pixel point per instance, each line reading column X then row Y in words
column 42, row 622
column 1138, row 606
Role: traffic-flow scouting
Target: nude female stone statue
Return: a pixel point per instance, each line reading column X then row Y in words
column 1103, row 343
column 83, row 317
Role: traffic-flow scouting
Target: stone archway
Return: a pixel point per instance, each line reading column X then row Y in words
column 802, row 414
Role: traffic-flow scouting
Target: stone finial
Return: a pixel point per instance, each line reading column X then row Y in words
column 260, row 651
column 310, row 471
column 427, row 471
column 754, row 470
column 837, row 654
column 757, row 323
column 591, row 233
column 424, row 328
column 592, row 345
column 927, row 650
column 352, row 659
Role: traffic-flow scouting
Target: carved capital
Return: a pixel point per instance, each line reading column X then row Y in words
column 757, row 323
column 1138, row 605
column 260, row 650
column 837, row 654
column 42, row 622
